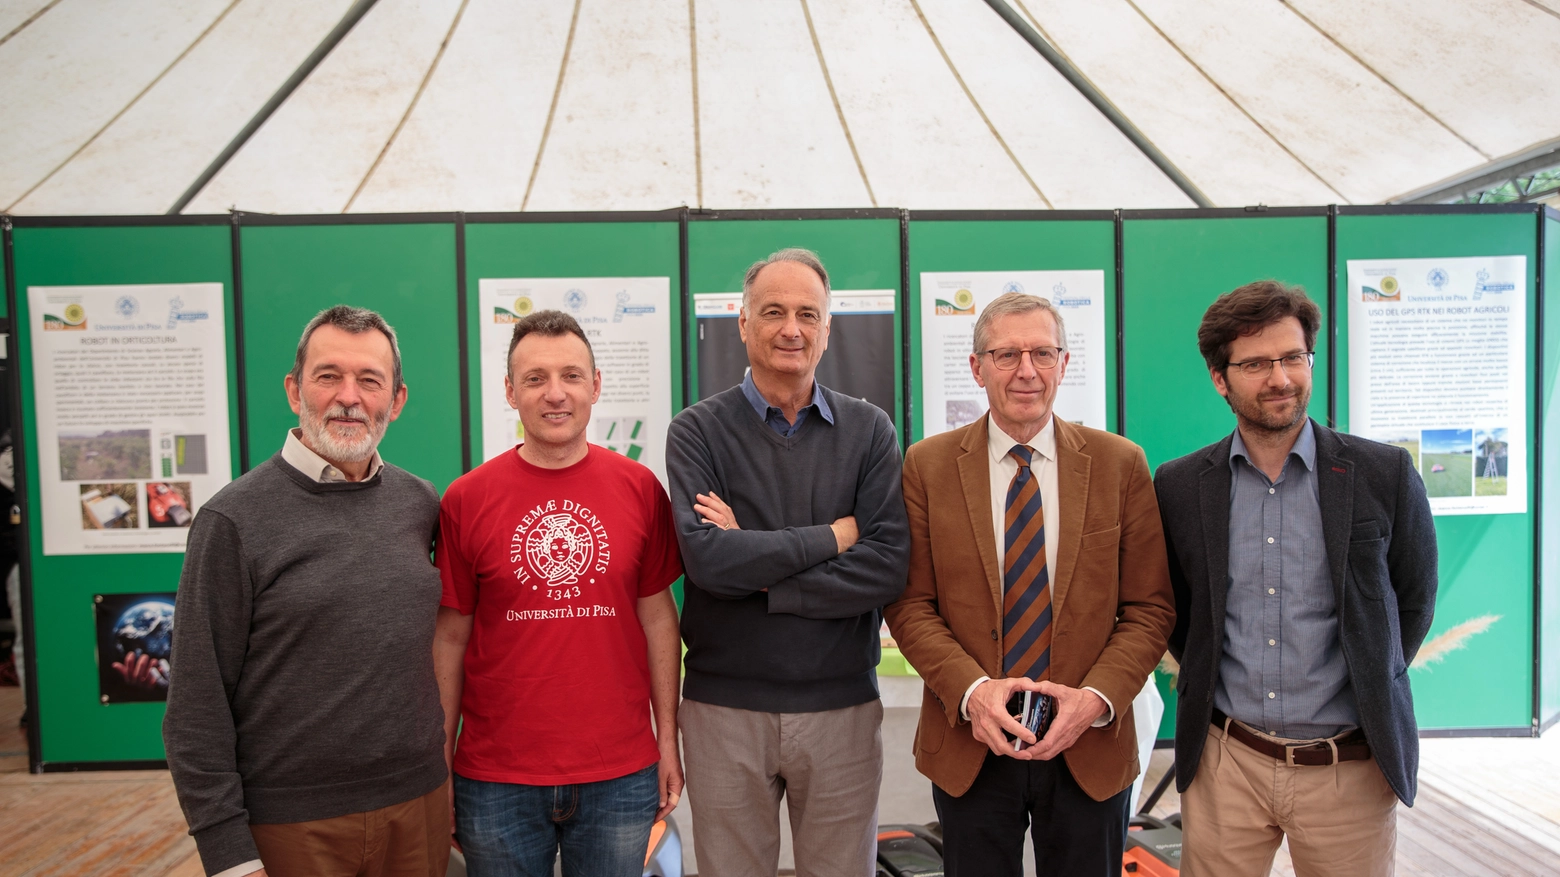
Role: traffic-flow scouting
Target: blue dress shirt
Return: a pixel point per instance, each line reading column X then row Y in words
column 775, row 417
column 1283, row 670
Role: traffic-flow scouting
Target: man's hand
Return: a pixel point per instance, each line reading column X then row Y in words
column 713, row 510
column 669, row 775
column 989, row 715
column 1076, row 711
column 845, row 532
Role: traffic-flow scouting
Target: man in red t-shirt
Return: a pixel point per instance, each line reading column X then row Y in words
column 557, row 633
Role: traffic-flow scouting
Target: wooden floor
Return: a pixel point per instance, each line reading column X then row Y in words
column 1486, row 807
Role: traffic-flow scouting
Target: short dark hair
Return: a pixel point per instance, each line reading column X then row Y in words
column 548, row 324
column 356, row 321
column 1249, row 309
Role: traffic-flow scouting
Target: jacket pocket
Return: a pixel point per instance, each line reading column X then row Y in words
column 1368, row 560
column 1100, row 538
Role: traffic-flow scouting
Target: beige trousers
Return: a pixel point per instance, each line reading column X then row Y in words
column 827, row 765
column 1341, row 820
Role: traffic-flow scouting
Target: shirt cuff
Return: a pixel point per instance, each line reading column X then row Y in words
column 248, row 867
column 1110, row 709
column 964, row 702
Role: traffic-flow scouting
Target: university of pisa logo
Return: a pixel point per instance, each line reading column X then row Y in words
column 560, row 547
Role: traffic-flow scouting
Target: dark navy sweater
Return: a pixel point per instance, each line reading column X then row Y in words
column 810, row 643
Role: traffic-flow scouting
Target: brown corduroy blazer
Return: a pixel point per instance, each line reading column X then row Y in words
column 1112, row 606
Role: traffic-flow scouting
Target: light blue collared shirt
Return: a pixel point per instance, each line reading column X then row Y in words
column 1283, row 670
column 775, row 418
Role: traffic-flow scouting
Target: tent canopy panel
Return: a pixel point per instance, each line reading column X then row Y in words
column 471, row 142
column 1365, row 139
column 921, row 140
column 1075, row 155
column 1485, row 69
column 145, row 160
column 1228, row 156
column 70, row 71
column 623, row 132
column 768, row 140
column 312, row 155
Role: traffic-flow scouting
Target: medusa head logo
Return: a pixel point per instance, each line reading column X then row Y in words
column 560, row 547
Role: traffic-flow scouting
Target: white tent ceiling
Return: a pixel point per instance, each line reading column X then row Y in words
column 118, row 106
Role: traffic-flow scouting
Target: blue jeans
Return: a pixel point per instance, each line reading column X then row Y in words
column 602, row 829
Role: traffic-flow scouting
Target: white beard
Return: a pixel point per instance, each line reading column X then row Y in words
column 340, row 450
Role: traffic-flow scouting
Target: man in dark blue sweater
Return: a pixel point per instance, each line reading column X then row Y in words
column 787, row 501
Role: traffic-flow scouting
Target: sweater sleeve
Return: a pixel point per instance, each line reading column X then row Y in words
column 210, row 638
column 871, row 573
column 731, row 564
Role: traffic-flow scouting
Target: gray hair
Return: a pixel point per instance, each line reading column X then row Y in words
column 356, row 321
column 790, row 254
column 1010, row 304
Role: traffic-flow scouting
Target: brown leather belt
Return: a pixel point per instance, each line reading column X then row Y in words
column 1349, row 747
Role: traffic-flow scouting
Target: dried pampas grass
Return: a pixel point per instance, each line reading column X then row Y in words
column 1450, row 640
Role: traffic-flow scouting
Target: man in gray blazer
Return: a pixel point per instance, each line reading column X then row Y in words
column 1304, row 568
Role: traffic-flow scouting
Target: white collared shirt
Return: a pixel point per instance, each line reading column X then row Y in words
column 298, row 456
column 1042, row 466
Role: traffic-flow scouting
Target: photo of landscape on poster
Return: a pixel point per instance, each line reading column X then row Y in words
column 131, row 392
column 1438, row 366
column 950, row 302
column 628, row 321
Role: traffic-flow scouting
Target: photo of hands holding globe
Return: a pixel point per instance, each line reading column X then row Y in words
column 134, row 642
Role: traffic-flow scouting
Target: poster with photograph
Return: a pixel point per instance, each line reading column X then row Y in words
column 950, row 302
column 132, row 402
column 629, row 324
column 859, row 361
column 1437, row 366
column 134, row 646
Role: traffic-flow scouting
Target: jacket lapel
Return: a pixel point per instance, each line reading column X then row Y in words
column 1214, row 501
column 975, row 478
column 1072, row 493
column 1335, row 491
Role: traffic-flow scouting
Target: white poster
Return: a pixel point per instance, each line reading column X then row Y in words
column 950, row 302
column 131, row 391
column 1437, row 365
column 628, row 321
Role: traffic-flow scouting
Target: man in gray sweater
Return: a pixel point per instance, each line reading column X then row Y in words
column 786, row 497
column 303, row 728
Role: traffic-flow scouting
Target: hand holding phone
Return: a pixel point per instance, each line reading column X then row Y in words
column 1034, row 711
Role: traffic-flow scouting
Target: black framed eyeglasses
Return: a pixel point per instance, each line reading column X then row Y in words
column 1008, row 358
column 1293, row 363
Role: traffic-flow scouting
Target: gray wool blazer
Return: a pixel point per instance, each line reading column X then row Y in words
column 1381, row 550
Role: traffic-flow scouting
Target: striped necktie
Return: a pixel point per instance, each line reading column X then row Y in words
column 1026, row 600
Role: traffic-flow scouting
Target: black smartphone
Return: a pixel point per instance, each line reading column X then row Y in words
column 1034, row 711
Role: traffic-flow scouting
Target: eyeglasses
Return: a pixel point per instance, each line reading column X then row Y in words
column 1292, row 363
column 1008, row 358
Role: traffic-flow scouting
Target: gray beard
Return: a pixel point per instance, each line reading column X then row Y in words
column 319, row 437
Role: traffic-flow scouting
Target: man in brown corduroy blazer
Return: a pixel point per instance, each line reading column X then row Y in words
column 1082, row 611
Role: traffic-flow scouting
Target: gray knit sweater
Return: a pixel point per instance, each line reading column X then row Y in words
column 303, row 682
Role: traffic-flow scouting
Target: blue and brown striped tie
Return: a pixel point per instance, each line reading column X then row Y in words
column 1026, row 600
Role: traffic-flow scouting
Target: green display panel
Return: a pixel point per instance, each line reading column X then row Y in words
column 406, row 272
column 1549, row 580
column 1486, row 561
column 74, row 726
column 859, row 253
column 1172, row 269
column 568, row 249
column 1012, row 245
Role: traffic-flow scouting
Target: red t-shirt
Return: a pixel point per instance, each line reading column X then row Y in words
column 553, row 563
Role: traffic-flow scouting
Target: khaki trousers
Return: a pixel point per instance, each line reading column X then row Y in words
column 1341, row 820
column 410, row 839
column 827, row 765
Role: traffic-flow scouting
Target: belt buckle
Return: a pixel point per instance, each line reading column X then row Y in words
column 1332, row 744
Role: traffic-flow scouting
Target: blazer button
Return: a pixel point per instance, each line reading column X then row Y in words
column 993, row 634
